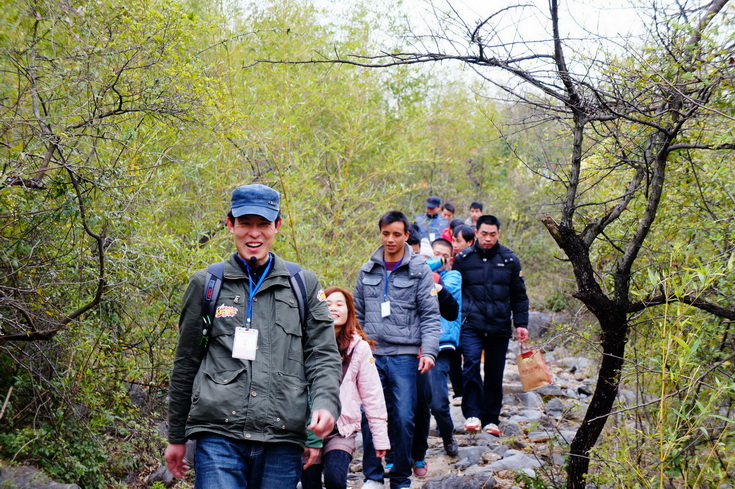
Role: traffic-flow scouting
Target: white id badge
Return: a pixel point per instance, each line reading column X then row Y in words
column 385, row 309
column 245, row 343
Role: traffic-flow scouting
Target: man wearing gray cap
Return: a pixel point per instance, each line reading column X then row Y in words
column 431, row 224
column 243, row 397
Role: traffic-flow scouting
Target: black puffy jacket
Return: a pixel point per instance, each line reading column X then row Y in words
column 493, row 290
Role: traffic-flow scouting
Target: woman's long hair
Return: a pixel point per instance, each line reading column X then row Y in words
column 351, row 326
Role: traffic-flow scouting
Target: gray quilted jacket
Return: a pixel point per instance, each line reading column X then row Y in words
column 413, row 324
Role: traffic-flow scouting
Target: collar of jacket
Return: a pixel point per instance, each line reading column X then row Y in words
column 377, row 258
column 233, row 271
column 487, row 253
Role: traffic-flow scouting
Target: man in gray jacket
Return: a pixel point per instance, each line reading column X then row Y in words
column 396, row 305
column 244, row 397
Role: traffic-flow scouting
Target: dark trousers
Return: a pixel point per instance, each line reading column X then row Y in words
column 335, row 467
column 433, row 399
column 455, row 373
column 483, row 399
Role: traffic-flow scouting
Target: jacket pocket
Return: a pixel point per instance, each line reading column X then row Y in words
column 288, row 319
column 218, row 397
column 403, row 296
column 291, row 404
column 288, row 316
column 228, row 315
column 371, row 285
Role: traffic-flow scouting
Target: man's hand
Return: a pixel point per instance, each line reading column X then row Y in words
column 322, row 422
column 310, row 455
column 522, row 334
column 174, row 456
column 381, row 453
column 425, row 364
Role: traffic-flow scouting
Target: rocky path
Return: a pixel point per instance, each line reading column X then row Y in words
column 537, row 427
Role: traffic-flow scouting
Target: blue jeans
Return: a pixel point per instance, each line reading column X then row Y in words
column 398, row 374
column 335, row 467
column 433, row 399
column 224, row 463
column 483, row 400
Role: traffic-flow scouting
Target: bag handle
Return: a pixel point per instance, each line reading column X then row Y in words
column 525, row 352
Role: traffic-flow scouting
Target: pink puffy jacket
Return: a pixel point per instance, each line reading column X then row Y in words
column 361, row 386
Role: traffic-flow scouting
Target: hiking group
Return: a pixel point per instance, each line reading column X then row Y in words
column 274, row 377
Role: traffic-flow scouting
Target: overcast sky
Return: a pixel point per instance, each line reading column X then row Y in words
column 520, row 27
column 526, row 20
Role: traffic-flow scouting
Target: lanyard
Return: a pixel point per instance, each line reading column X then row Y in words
column 387, row 275
column 254, row 290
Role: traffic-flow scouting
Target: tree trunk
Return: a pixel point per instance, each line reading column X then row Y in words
column 613, row 319
column 614, row 337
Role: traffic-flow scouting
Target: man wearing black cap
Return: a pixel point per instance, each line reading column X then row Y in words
column 431, row 224
column 244, row 397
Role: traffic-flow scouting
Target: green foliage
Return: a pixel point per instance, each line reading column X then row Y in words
column 679, row 430
column 531, row 482
column 74, row 459
column 126, row 125
column 557, row 301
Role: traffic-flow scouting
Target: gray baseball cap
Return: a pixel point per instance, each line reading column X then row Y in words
column 255, row 199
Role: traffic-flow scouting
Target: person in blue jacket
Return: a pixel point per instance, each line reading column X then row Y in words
column 435, row 389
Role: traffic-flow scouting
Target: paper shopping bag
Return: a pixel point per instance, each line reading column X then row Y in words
column 533, row 370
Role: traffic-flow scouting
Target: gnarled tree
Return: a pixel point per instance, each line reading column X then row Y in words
column 631, row 117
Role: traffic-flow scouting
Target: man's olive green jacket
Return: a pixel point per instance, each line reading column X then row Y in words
column 264, row 399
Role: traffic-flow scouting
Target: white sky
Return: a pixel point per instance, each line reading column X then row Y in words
column 516, row 21
column 516, row 29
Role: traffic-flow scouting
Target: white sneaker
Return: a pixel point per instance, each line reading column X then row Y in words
column 371, row 484
column 472, row 424
column 491, row 429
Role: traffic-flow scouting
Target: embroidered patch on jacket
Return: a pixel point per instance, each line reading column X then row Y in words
column 434, row 292
column 224, row 311
column 321, row 295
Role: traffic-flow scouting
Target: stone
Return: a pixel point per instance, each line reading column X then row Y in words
column 513, row 387
column 137, row 396
column 470, row 455
column 538, row 436
column 162, row 474
column 24, row 477
column 584, row 390
column 527, row 416
column 515, row 460
column 483, row 480
column 555, row 407
column 574, row 364
column 490, row 457
column 510, row 428
column 567, row 436
column 552, row 390
column 530, row 400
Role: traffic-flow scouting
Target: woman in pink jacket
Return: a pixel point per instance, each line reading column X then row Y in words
column 360, row 387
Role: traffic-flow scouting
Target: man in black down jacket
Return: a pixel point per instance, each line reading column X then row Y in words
column 493, row 299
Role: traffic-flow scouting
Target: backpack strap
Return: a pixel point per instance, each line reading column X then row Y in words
column 213, row 284
column 210, row 293
column 298, row 285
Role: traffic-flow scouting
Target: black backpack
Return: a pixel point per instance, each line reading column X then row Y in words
column 213, row 283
